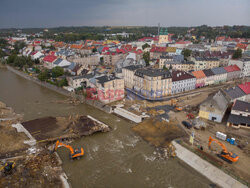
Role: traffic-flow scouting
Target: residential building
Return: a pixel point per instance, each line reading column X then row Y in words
column 243, row 64
column 233, row 72
column 109, row 88
column 128, row 73
column 240, row 115
column 235, row 93
column 61, row 63
column 48, row 61
column 182, row 81
column 200, row 78
column 246, row 89
column 206, row 63
column 152, row 83
column 214, row 107
column 210, row 77
column 220, row 75
column 111, row 58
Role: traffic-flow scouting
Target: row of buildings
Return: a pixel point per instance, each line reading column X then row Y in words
column 158, row 83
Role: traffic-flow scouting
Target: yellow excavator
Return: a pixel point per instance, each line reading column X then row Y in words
column 174, row 103
column 8, row 167
column 225, row 155
column 74, row 153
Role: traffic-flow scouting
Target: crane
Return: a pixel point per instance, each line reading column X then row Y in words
column 225, row 155
column 74, row 153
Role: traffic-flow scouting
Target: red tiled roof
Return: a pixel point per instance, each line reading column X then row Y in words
column 245, row 87
column 50, row 58
column 199, row 74
column 76, row 46
column 242, row 46
column 158, row 49
column 232, row 68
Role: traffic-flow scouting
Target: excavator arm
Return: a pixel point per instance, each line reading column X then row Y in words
column 225, row 155
column 219, row 143
column 64, row 145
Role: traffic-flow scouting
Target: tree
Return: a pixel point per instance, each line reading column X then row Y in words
column 57, row 71
column 146, row 57
column 186, row 53
column 44, row 75
column 165, row 68
column 237, row 54
column 94, row 50
column 63, row 82
column 146, row 45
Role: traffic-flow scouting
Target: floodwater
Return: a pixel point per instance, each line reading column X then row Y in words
column 116, row 159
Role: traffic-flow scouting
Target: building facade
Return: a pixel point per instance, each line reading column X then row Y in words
column 182, row 81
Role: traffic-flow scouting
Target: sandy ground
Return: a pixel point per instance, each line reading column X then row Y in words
column 240, row 168
column 159, row 134
column 11, row 140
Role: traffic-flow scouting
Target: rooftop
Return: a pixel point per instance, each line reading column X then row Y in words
column 181, row 75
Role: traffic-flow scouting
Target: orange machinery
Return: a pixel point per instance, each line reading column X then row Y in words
column 174, row 102
column 225, row 155
column 74, row 153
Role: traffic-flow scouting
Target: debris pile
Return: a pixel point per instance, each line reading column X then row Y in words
column 39, row 170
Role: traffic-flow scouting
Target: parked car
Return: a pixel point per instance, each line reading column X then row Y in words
column 187, row 124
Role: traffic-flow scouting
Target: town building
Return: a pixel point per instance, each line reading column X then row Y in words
column 108, row 87
column 206, row 63
column 128, row 73
column 240, row 115
column 200, row 78
column 243, row 64
column 220, row 75
column 210, row 77
column 182, row 81
column 245, row 87
column 233, row 72
column 152, row 83
column 214, row 107
column 163, row 36
column 235, row 93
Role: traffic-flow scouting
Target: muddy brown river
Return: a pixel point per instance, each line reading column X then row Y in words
column 116, row 159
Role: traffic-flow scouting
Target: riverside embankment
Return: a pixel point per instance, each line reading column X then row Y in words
column 211, row 172
column 62, row 91
column 118, row 158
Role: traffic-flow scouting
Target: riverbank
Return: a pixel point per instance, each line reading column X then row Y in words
column 94, row 103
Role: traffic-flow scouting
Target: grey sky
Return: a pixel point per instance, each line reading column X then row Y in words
column 51, row 13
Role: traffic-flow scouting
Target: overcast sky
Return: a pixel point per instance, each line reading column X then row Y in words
column 52, row 13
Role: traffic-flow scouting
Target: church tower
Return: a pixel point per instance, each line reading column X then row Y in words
column 163, row 36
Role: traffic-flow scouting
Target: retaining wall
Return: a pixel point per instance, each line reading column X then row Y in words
column 128, row 115
column 205, row 168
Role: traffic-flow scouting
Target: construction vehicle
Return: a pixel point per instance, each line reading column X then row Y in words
column 177, row 107
column 8, row 167
column 225, row 155
column 74, row 153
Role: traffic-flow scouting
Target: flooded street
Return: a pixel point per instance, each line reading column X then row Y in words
column 115, row 159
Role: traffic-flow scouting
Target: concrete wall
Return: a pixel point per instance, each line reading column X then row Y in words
column 205, row 168
column 128, row 115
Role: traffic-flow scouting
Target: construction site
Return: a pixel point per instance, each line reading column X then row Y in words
column 178, row 119
column 27, row 149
